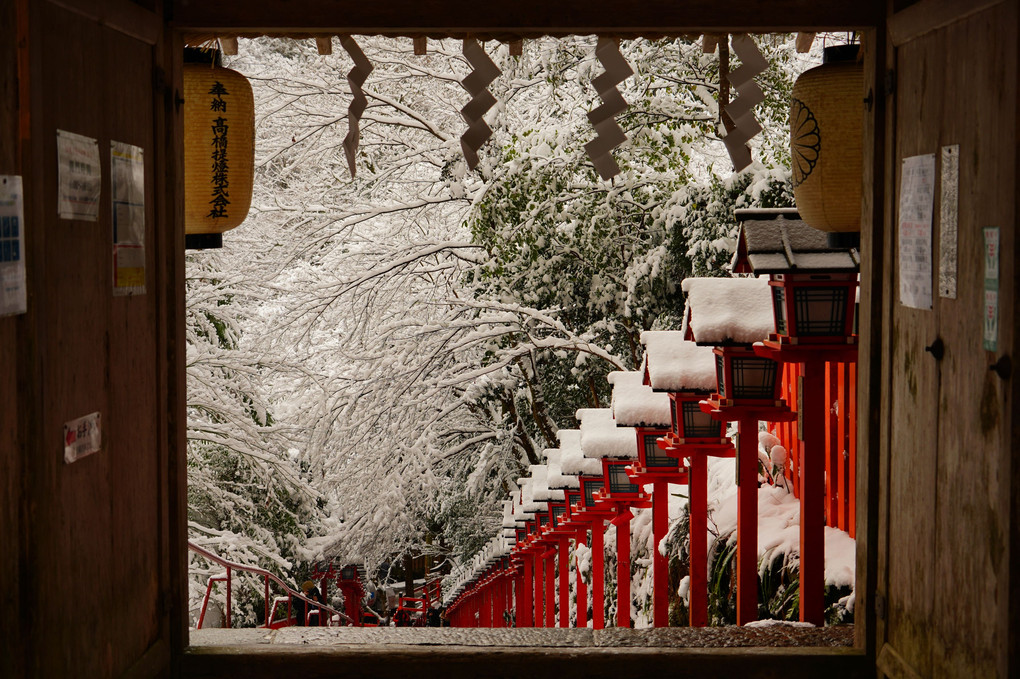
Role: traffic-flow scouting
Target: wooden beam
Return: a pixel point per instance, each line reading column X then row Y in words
column 930, row 15
column 709, row 43
column 516, row 48
column 125, row 17
column 421, row 46
column 228, row 45
column 386, row 662
column 525, row 18
column 324, row 45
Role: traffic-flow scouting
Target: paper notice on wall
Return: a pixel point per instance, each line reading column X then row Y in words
column 948, row 217
column 917, row 196
column 127, row 182
column 82, row 437
column 990, row 330
column 79, row 177
column 12, row 246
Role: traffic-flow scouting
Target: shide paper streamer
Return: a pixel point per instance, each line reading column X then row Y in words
column 355, row 78
column 476, row 83
column 603, row 118
column 740, row 109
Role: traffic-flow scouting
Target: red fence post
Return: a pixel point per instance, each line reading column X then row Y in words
column 564, row 568
column 747, row 521
column 698, row 492
column 812, row 497
column 550, row 587
column 581, row 605
column 598, row 575
column 622, row 523
column 660, row 564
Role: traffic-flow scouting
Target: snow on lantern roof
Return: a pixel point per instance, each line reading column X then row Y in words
column 572, row 459
column 508, row 514
column 540, row 490
column 675, row 364
column 634, row 402
column 778, row 241
column 557, row 479
column 728, row 310
column 529, row 505
column 600, row 437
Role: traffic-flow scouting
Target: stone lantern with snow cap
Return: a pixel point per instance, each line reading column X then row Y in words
column 813, row 284
column 687, row 373
column 636, row 405
column 617, row 448
column 814, row 289
column 586, row 514
column 564, row 528
column 731, row 315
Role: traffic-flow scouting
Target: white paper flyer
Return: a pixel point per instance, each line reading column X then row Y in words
column 12, row 246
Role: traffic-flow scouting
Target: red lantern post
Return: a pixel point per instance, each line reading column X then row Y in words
column 814, row 286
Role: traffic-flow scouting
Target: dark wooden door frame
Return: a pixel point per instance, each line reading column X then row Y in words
column 530, row 18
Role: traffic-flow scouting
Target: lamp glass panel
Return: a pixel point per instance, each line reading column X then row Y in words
column 820, row 310
column 698, row 424
column 619, row 482
column 779, row 308
column 656, row 456
column 753, row 378
column 674, row 420
column 557, row 512
column 543, row 519
column 589, row 486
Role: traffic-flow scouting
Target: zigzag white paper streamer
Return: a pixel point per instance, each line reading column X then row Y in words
column 476, row 83
column 603, row 118
column 359, row 102
column 741, row 109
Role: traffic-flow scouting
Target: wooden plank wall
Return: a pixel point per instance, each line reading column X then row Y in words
column 945, row 519
column 10, row 328
column 84, row 565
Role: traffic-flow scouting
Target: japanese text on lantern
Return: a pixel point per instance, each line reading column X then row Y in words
column 220, row 183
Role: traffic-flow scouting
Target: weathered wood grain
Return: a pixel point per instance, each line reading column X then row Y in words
column 525, row 18
column 947, row 498
column 10, row 401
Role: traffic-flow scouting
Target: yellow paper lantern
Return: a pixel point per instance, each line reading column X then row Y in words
column 219, row 148
column 826, row 118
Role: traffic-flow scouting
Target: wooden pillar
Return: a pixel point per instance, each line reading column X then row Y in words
column 812, row 495
column 524, row 605
column 550, row 587
column 851, row 410
column 581, row 603
column 843, row 425
column 622, row 523
column 564, row 569
column 598, row 575
column 698, row 493
column 795, row 449
column 539, row 591
column 831, row 438
column 747, row 521
column 660, row 564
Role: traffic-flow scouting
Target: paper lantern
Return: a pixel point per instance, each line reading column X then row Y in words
column 826, row 118
column 219, row 148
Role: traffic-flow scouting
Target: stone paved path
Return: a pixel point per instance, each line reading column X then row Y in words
column 774, row 635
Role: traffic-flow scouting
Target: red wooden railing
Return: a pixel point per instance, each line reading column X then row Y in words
column 840, row 441
column 312, row 608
